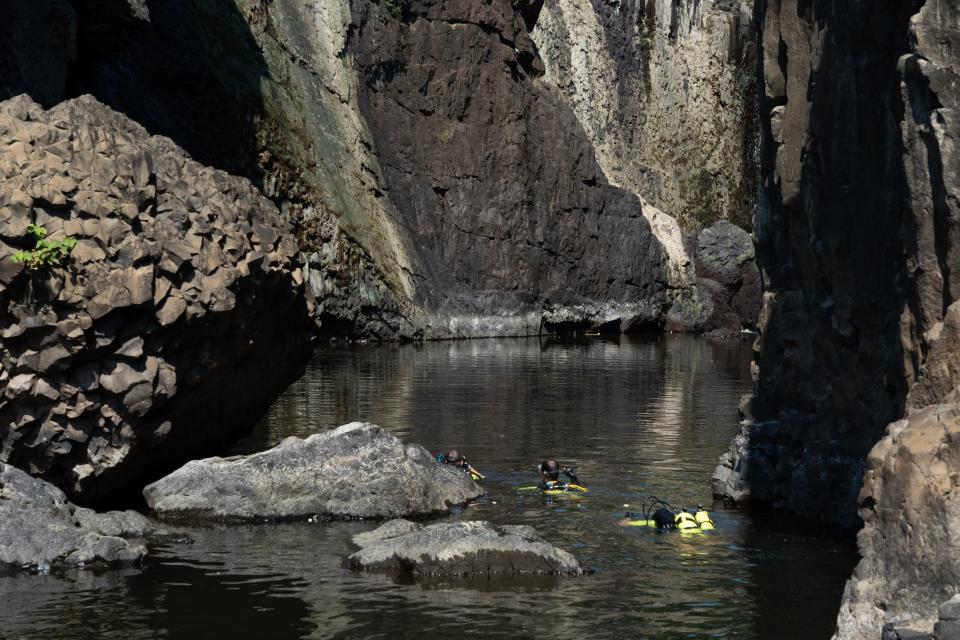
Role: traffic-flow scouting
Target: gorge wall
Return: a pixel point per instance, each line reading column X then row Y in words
column 666, row 92
column 857, row 234
column 443, row 178
column 426, row 172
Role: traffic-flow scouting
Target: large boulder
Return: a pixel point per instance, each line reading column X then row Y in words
column 459, row 548
column 176, row 320
column 355, row 471
column 41, row 530
column 726, row 265
column 910, row 541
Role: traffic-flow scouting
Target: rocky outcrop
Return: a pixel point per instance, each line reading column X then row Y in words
column 857, row 235
column 172, row 325
column 40, row 530
column 355, row 471
column 666, row 92
column 459, row 549
column 910, row 541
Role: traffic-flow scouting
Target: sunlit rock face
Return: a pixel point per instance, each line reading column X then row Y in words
column 666, row 92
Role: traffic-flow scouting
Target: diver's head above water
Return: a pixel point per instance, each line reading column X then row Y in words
column 549, row 471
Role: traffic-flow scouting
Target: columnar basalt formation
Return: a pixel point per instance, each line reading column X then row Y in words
column 176, row 320
column 666, row 92
column 857, row 239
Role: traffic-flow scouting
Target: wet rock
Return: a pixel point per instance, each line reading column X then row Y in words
column 355, row 471
column 459, row 549
column 726, row 267
column 40, row 529
column 149, row 297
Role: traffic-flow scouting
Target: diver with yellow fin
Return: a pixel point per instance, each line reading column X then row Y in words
column 453, row 457
column 660, row 514
column 550, row 482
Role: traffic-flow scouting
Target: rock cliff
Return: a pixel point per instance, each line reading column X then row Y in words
column 171, row 326
column 857, row 241
column 666, row 92
column 440, row 180
column 857, row 238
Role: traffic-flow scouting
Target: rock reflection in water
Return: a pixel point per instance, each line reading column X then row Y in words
column 633, row 416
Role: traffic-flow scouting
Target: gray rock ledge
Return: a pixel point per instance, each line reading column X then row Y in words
column 40, row 530
column 357, row 470
column 460, row 549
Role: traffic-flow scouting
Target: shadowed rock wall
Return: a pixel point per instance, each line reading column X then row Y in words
column 857, row 237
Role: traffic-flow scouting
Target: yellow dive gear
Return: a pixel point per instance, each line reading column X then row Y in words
column 660, row 514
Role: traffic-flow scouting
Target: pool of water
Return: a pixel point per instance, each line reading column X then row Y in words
column 634, row 417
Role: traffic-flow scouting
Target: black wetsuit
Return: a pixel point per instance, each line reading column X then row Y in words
column 663, row 518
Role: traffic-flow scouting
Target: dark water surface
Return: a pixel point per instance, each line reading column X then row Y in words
column 634, row 417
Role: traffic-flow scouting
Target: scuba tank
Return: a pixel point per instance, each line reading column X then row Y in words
column 660, row 514
column 703, row 518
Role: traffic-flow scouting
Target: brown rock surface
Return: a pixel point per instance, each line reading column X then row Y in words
column 174, row 323
column 910, row 542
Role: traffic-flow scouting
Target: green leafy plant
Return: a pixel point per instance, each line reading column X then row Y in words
column 446, row 136
column 45, row 253
column 395, row 7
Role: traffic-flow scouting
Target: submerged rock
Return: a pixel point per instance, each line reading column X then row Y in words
column 40, row 529
column 176, row 320
column 355, row 471
column 459, row 548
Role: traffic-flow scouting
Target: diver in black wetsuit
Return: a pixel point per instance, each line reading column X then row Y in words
column 549, row 473
column 453, row 457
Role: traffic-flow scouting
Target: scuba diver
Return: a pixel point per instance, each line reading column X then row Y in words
column 550, row 471
column 662, row 515
column 453, row 457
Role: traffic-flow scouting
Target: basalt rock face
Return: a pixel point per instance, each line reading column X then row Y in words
column 494, row 177
column 857, row 238
column 459, row 549
column 439, row 184
column 666, row 92
column 41, row 530
column 176, row 320
column 355, row 471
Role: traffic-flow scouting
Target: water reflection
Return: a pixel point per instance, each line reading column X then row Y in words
column 634, row 416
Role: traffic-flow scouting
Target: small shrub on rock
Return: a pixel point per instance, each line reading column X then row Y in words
column 46, row 253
